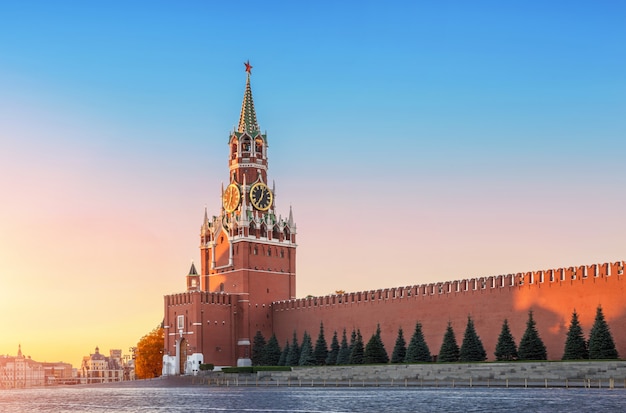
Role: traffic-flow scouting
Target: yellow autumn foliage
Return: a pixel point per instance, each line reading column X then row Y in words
column 149, row 355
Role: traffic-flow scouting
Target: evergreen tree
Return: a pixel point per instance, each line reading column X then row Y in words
column 258, row 346
column 506, row 350
column 449, row 349
column 307, row 358
column 271, row 353
column 375, row 352
column 472, row 348
column 293, row 357
column 601, row 344
column 331, row 359
column 356, row 355
column 283, row 355
column 575, row 344
column 352, row 339
column 418, row 350
column 321, row 348
column 531, row 346
column 399, row 350
column 344, row 350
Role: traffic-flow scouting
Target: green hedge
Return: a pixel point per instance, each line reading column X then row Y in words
column 207, row 366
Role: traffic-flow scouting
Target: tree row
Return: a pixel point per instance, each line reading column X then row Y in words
column 346, row 351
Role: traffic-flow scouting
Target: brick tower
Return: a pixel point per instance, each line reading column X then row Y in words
column 248, row 250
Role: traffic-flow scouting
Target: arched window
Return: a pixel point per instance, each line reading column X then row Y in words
column 258, row 147
column 233, row 149
column 252, row 229
column 263, row 230
column 245, row 144
column 275, row 233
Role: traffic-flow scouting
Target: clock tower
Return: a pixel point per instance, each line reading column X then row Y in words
column 249, row 249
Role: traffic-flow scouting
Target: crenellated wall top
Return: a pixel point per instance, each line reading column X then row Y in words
column 203, row 297
column 529, row 279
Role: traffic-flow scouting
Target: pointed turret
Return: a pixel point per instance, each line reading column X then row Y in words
column 193, row 279
column 290, row 220
column 247, row 119
column 243, row 211
column 205, row 220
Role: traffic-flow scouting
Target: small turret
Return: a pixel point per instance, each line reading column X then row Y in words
column 193, row 279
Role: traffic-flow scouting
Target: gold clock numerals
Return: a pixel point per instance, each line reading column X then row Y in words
column 261, row 197
column 231, row 198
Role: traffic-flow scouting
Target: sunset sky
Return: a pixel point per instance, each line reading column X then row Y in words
column 415, row 141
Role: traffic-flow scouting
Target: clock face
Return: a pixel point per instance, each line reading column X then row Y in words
column 231, row 198
column 261, row 196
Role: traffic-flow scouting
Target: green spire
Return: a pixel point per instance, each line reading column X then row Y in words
column 247, row 119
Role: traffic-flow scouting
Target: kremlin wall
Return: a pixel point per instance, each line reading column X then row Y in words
column 247, row 283
column 552, row 295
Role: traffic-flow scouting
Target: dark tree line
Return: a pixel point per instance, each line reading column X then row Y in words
column 344, row 351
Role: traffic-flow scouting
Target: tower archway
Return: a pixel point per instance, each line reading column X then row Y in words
column 182, row 355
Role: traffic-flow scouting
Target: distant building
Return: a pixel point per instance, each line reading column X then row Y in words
column 97, row 368
column 20, row 372
column 59, row 373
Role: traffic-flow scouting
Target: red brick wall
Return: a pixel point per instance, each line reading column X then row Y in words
column 209, row 325
column 552, row 304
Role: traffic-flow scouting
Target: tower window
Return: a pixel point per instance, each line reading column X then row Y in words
column 269, row 252
column 245, row 144
column 234, row 150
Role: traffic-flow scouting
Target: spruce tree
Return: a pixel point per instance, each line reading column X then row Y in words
column 575, row 344
column 356, row 355
column 344, row 350
column 331, row 359
column 399, row 350
column 258, row 346
column 293, row 358
column 307, row 358
column 472, row 348
column 531, row 346
column 321, row 348
column 375, row 352
column 601, row 344
column 283, row 355
column 418, row 350
column 449, row 351
column 352, row 339
column 271, row 353
column 506, row 350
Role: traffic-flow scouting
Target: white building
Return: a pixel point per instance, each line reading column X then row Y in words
column 20, row 372
column 97, row 368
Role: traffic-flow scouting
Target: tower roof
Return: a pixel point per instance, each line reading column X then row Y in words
column 247, row 119
column 192, row 270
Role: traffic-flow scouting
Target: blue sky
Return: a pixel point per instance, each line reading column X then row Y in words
column 416, row 142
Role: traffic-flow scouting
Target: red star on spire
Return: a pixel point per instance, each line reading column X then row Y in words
column 248, row 67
